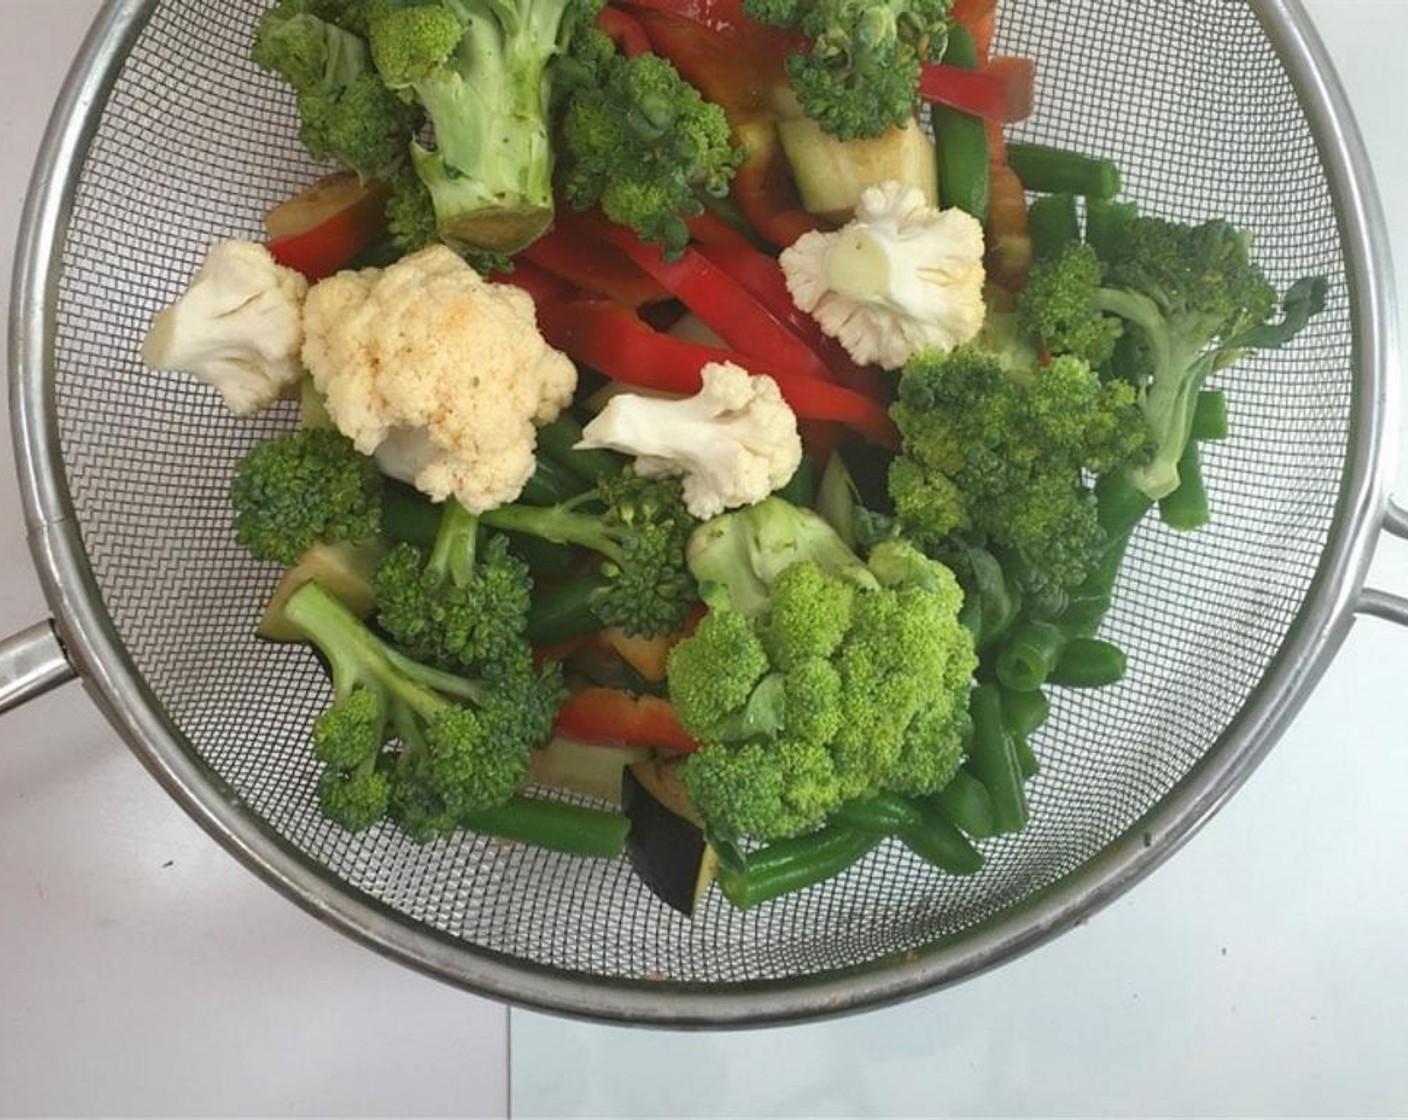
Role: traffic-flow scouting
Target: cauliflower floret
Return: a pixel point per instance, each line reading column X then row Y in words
column 901, row 278
column 734, row 442
column 238, row 328
column 440, row 374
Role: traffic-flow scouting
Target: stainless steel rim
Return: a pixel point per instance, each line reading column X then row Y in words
column 110, row 676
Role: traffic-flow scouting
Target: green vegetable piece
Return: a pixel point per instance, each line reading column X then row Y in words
column 1106, row 223
column 794, row 865
column 1026, row 660
column 938, row 842
column 1026, row 757
column 558, row 826
column 884, row 814
column 860, row 75
column 1089, row 663
column 1187, row 508
column 992, row 757
column 303, row 488
column 965, row 167
column 1048, row 170
column 1053, row 224
column 1024, row 712
column 966, row 804
column 1210, row 416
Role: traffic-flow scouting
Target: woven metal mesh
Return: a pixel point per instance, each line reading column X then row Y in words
column 194, row 144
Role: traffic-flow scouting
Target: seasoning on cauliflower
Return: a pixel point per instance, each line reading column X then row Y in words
column 734, row 442
column 439, row 370
column 900, row 279
column 238, row 328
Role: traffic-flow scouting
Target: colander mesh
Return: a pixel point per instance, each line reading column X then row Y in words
column 195, row 143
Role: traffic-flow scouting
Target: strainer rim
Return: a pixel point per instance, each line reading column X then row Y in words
column 112, row 679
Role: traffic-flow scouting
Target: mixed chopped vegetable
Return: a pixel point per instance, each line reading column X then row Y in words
column 718, row 443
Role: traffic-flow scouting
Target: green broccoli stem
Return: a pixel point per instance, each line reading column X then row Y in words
column 555, row 825
column 794, row 865
column 456, row 545
column 357, row 657
column 490, row 178
column 560, row 524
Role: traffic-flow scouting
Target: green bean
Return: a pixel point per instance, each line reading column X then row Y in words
column 1048, row 170
column 550, row 484
column 1089, row 663
column 1053, row 224
column 1106, row 223
column 993, row 759
column 965, row 170
column 1210, row 415
column 801, row 487
column 565, row 611
column 557, row 441
column 884, row 814
column 1028, row 656
column 557, row 825
column 794, row 865
column 990, row 605
column 1119, row 505
column 966, row 804
column 1024, row 712
column 1187, row 507
column 936, row 841
column 408, row 516
column 1026, row 757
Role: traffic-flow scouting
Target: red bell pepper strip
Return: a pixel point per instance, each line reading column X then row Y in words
column 608, row 717
column 545, row 288
column 624, row 30
column 613, row 340
column 764, row 279
column 722, row 304
column 980, row 18
column 573, row 249
column 763, row 187
column 1004, row 91
column 321, row 229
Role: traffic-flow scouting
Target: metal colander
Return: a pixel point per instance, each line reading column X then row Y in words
column 168, row 138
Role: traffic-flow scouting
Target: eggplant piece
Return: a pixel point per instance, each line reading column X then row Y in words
column 667, row 852
column 584, row 768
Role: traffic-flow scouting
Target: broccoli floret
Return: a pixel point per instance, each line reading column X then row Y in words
column 1196, row 302
column 410, row 219
column 861, row 75
column 481, row 71
column 639, row 527
column 993, row 456
column 851, row 687
column 1057, row 307
column 304, row 488
column 348, row 114
column 642, row 142
column 399, row 737
column 462, row 607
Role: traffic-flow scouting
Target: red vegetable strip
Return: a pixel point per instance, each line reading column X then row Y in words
column 573, row 250
column 322, row 228
column 543, row 286
column 725, row 306
column 624, row 30
column 763, row 277
column 608, row 717
column 763, row 187
column 999, row 93
column 613, row 340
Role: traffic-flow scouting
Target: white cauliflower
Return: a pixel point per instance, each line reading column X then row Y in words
column 438, row 373
column 734, row 442
column 238, row 328
column 901, row 278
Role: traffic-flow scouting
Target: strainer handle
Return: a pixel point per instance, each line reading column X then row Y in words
column 1384, row 604
column 31, row 663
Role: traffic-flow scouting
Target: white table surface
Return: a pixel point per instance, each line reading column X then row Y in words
column 142, row 972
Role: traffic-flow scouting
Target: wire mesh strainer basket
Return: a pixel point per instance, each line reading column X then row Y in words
column 168, row 138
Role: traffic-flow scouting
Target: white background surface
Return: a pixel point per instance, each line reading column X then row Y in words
column 1261, row 972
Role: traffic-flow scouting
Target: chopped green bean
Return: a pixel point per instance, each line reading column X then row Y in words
column 1048, row 170
column 936, row 841
column 794, row 865
column 1027, row 657
column 1210, row 415
column 993, row 759
column 557, row 825
column 965, row 168
column 1106, row 223
column 1089, row 663
column 1187, row 507
column 884, row 814
column 1054, row 224
column 966, row 803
